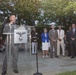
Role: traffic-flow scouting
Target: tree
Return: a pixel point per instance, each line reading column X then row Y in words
column 45, row 11
column 27, row 10
column 59, row 11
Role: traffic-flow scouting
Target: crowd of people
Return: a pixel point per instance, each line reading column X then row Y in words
column 56, row 42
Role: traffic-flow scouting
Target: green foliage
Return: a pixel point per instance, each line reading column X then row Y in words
column 58, row 7
column 59, row 11
column 68, row 73
column 27, row 9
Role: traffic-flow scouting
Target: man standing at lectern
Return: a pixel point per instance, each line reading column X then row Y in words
column 9, row 28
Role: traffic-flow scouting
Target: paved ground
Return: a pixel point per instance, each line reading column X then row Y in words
column 47, row 66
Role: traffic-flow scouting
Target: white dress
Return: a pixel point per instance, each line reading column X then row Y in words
column 45, row 45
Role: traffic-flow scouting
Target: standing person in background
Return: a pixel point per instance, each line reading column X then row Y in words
column 53, row 37
column 73, row 40
column 60, row 41
column 68, row 42
column 34, row 40
column 45, row 43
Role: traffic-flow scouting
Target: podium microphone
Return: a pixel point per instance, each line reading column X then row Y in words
column 37, row 73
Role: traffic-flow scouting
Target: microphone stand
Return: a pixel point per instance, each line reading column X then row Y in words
column 37, row 73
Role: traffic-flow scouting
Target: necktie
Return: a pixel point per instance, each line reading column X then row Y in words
column 53, row 30
column 73, row 30
column 59, row 32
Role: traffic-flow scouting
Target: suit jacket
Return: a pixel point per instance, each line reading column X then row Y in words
column 34, row 36
column 68, row 36
column 53, row 35
column 61, row 35
column 8, row 29
column 45, row 38
column 73, row 35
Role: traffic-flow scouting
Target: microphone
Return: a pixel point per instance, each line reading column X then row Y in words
column 12, row 23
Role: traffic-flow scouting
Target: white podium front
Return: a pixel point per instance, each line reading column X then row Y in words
column 20, row 36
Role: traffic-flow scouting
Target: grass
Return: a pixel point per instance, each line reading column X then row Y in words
column 68, row 73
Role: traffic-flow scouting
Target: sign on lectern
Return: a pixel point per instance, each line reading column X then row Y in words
column 20, row 36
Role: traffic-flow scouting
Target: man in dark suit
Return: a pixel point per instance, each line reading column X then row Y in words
column 9, row 28
column 73, row 40
column 53, row 36
column 68, row 42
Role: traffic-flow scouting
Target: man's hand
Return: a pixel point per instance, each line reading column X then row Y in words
column 35, row 40
column 72, row 38
column 53, row 40
column 59, row 39
column 66, row 42
column 11, row 23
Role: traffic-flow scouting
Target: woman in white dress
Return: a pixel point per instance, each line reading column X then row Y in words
column 45, row 43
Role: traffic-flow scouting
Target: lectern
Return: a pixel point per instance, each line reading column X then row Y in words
column 20, row 35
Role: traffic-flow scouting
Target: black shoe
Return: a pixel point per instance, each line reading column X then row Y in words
column 51, row 56
column 3, row 73
column 57, row 56
column 33, row 53
column 16, row 71
column 64, row 56
column 72, row 57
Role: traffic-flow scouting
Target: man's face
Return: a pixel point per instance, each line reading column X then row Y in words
column 52, row 26
column 60, row 27
column 45, row 30
column 34, row 29
column 73, row 26
column 69, row 28
column 12, row 18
